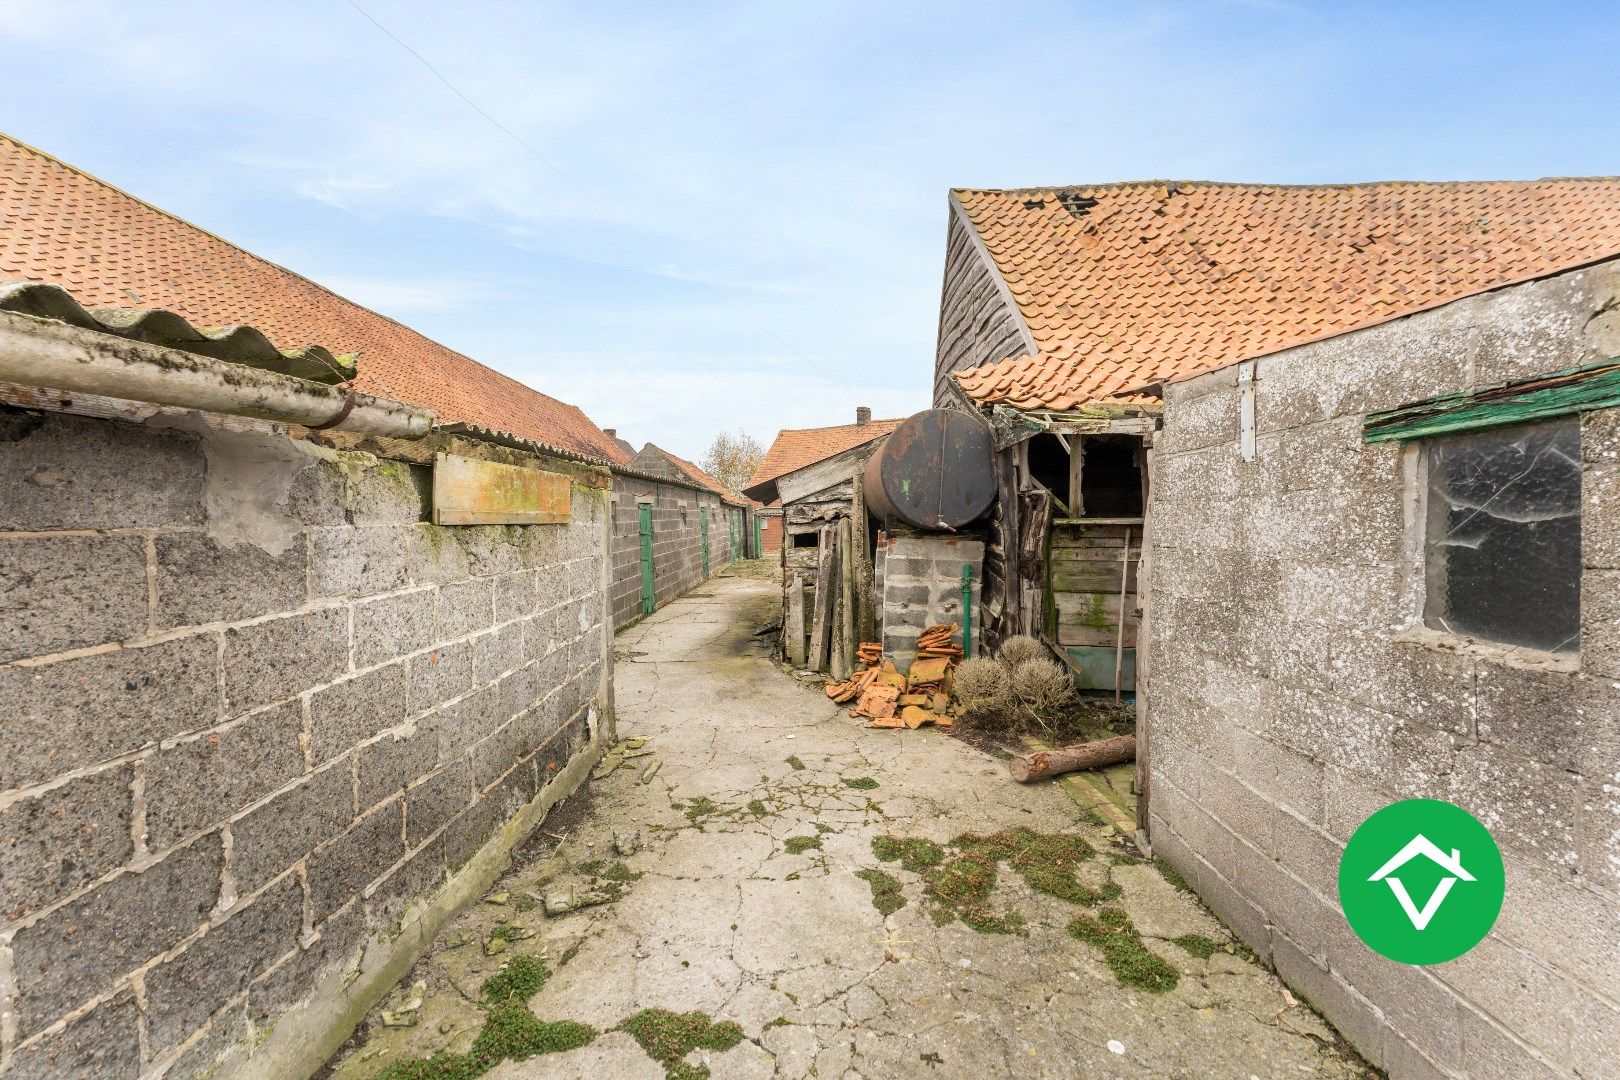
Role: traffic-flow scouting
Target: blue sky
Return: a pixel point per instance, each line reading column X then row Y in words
column 735, row 185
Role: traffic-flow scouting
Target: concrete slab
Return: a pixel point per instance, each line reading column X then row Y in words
column 725, row 919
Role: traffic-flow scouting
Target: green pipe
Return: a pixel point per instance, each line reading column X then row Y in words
column 967, row 610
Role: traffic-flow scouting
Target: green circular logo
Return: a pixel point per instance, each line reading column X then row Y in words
column 1421, row 882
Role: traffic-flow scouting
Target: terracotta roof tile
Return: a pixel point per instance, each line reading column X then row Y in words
column 109, row 249
column 1124, row 284
column 796, row 448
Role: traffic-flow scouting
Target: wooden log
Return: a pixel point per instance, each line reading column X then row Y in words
column 1091, row 755
column 793, row 623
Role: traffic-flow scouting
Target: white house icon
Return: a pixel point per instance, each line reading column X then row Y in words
column 1422, row 845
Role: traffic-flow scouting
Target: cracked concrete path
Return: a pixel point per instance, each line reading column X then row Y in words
column 737, row 896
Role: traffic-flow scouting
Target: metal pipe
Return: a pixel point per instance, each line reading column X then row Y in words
column 55, row 356
column 967, row 611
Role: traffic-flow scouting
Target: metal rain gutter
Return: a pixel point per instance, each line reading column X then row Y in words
column 49, row 355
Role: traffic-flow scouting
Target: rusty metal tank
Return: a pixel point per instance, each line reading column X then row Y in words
column 936, row 471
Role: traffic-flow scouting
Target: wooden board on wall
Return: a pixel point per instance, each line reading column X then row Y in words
column 471, row 492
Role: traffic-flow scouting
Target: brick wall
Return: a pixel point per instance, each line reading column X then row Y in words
column 257, row 714
column 676, row 544
column 770, row 544
column 920, row 581
column 1292, row 691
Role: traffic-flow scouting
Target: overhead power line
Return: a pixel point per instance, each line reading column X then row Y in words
column 593, row 200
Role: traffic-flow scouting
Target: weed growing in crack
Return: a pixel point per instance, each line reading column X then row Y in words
column 823, row 828
column 780, row 1021
column 667, row 1037
column 1198, row 945
column 860, row 783
column 798, row 845
column 886, row 894
column 914, row 854
column 1132, row 964
column 757, row 808
column 795, row 763
column 589, row 868
column 700, row 809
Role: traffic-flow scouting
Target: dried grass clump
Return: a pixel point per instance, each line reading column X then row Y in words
column 1018, row 648
column 1042, row 687
column 983, row 690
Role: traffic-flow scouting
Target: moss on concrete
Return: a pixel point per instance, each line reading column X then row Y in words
column 914, row 853
column 668, row 1037
column 795, row 763
column 887, row 896
column 510, row 1029
column 860, row 783
column 1132, row 964
column 798, row 845
column 1198, row 945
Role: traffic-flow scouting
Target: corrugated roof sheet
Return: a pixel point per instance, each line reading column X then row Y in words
column 796, row 448
column 110, row 250
column 1125, row 284
column 154, row 326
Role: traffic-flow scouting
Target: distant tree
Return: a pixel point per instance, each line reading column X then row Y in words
column 732, row 458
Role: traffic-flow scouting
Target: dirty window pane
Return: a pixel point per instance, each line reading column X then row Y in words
column 1503, row 550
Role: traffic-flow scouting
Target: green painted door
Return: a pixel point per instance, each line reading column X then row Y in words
column 703, row 526
column 759, row 537
column 647, row 596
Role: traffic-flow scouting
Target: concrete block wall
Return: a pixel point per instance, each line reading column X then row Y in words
column 677, row 541
column 1292, row 691
column 920, row 581
column 256, row 715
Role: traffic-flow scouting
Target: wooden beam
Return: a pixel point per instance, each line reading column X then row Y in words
column 1545, row 397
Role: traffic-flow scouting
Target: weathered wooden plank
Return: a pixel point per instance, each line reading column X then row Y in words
column 865, row 600
column 1067, row 580
column 793, row 622
column 821, row 615
column 843, row 657
column 1558, row 393
column 1096, row 637
column 833, row 472
column 471, row 492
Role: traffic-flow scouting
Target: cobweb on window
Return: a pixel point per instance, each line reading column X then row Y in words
column 1503, row 554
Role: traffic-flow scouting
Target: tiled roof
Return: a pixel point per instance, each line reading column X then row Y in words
column 111, row 250
column 649, row 456
column 1124, row 284
column 794, row 449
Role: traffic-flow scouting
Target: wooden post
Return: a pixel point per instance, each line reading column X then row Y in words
column 821, row 618
column 843, row 661
column 860, row 532
column 793, row 622
column 1119, row 637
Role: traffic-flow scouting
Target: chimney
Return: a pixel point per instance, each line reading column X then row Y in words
column 863, row 416
column 612, row 433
